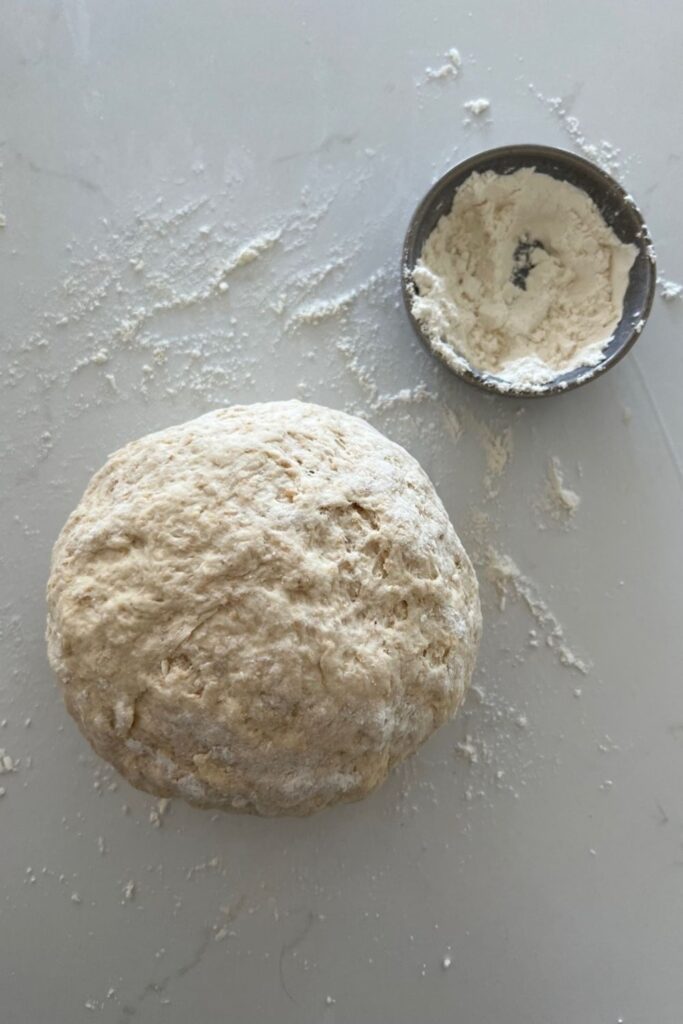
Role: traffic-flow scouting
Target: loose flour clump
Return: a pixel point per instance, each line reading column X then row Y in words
column 7, row 763
column 562, row 503
column 669, row 290
column 449, row 69
column 477, row 107
column 558, row 501
column 522, row 279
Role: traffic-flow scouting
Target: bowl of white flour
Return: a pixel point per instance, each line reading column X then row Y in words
column 528, row 271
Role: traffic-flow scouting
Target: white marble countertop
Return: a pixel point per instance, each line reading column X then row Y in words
column 536, row 844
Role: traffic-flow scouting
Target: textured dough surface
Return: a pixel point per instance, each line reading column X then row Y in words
column 263, row 609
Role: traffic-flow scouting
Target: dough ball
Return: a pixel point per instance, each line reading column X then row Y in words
column 261, row 610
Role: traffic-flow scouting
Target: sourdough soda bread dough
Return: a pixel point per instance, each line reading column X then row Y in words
column 263, row 609
column 523, row 278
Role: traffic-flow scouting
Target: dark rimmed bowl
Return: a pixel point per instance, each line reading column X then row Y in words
column 620, row 213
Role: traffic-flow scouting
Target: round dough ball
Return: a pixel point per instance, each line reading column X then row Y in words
column 263, row 609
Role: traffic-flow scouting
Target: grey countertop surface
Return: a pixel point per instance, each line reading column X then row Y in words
column 535, row 845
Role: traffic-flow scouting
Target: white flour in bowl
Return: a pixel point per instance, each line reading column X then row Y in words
column 522, row 279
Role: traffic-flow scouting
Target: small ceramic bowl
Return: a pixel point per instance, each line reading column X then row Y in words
column 619, row 212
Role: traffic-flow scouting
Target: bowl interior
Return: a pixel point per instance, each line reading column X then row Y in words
column 619, row 212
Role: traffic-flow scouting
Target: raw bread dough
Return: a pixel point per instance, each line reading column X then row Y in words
column 263, row 609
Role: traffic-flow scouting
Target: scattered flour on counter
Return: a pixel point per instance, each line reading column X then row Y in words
column 603, row 153
column 477, row 107
column 7, row 764
column 469, row 748
column 128, row 891
column 480, row 527
column 364, row 377
column 251, row 251
column 212, row 864
column 156, row 814
column 325, row 309
column 669, row 290
column 179, row 301
column 498, row 449
column 406, row 396
column 449, row 69
column 522, row 278
column 496, row 446
column 301, row 284
column 508, row 580
column 495, row 747
column 561, row 502
column 453, row 423
column 147, row 310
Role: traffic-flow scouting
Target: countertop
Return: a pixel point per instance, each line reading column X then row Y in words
column 526, row 866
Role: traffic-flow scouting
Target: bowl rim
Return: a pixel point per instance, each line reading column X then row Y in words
column 461, row 368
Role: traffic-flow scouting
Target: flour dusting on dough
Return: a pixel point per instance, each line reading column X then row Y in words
column 263, row 610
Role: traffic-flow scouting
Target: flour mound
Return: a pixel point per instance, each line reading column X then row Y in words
column 522, row 278
column 263, row 609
